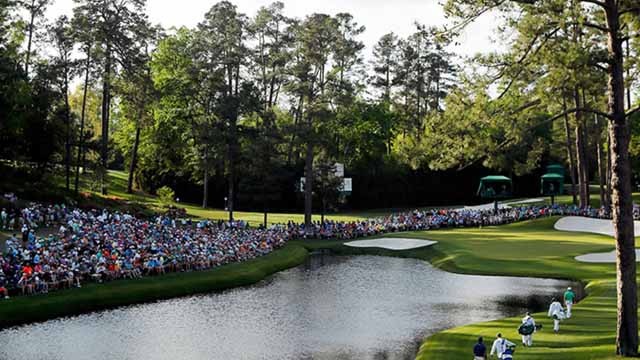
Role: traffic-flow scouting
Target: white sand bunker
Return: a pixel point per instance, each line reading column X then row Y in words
column 606, row 257
column 392, row 243
column 584, row 224
column 595, row 226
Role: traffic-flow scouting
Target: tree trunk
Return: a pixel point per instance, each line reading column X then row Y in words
column 585, row 138
column 106, row 105
column 264, row 209
column 609, row 170
column 29, row 41
column 134, row 160
column 583, row 182
column 570, row 154
column 627, row 327
column 232, row 168
column 205, row 190
column 296, row 121
column 308, row 188
column 622, row 209
column 602, row 170
column 628, row 76
column 67, row 144
column 82, row 116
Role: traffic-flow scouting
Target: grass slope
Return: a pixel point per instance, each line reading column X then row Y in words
column 530, row 249
column 92, row 297
column 118, row 189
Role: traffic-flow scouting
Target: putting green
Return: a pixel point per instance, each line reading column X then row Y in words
column 532, row 249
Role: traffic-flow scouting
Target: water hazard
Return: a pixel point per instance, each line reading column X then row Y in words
column 363, row 307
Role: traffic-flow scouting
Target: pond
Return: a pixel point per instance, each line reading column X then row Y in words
column 333, row 307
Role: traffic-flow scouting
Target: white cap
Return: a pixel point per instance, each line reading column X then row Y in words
column 569, row 288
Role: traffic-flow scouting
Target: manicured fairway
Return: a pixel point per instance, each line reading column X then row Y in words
column 531, row 249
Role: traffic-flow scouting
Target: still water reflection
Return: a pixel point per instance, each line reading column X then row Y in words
column 362, row 307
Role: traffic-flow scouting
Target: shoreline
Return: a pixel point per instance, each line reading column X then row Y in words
column 20, row 311
column 23, row 310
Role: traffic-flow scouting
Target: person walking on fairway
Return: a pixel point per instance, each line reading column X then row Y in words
column 480, row 350
column 527, row 329
column 557, row 313
column 569, row 299
column 501, row 346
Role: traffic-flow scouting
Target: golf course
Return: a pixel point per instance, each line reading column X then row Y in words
column 532, row 249
column 526, row 249
column 332, row 180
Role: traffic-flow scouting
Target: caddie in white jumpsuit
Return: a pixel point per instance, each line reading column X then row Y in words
column 557, row 313
column 527, row 340
column 499, row 346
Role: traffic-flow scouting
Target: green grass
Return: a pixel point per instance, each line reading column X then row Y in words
column 530, row 249
column 93, row 297
column 118, row 189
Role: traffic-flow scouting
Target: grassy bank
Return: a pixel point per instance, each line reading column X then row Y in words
column 532, row 249
column 118, row 190
column 93, row 297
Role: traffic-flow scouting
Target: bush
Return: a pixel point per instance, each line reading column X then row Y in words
column 166, row 195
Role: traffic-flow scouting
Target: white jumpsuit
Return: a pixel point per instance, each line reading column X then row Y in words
column 556, row 309
column 527, row 340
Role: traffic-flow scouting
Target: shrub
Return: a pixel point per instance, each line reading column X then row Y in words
column 166, row 195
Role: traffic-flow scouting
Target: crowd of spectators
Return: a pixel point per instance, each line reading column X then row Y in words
column 101, row 245
column 436, row 219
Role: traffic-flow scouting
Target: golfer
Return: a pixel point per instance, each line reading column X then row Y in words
column 557, row 313
column 569, row 299
column 527, row 329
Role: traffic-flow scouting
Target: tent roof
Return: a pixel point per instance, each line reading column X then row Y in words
column 552, row 176
column 556, row 169
column 495, row 178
